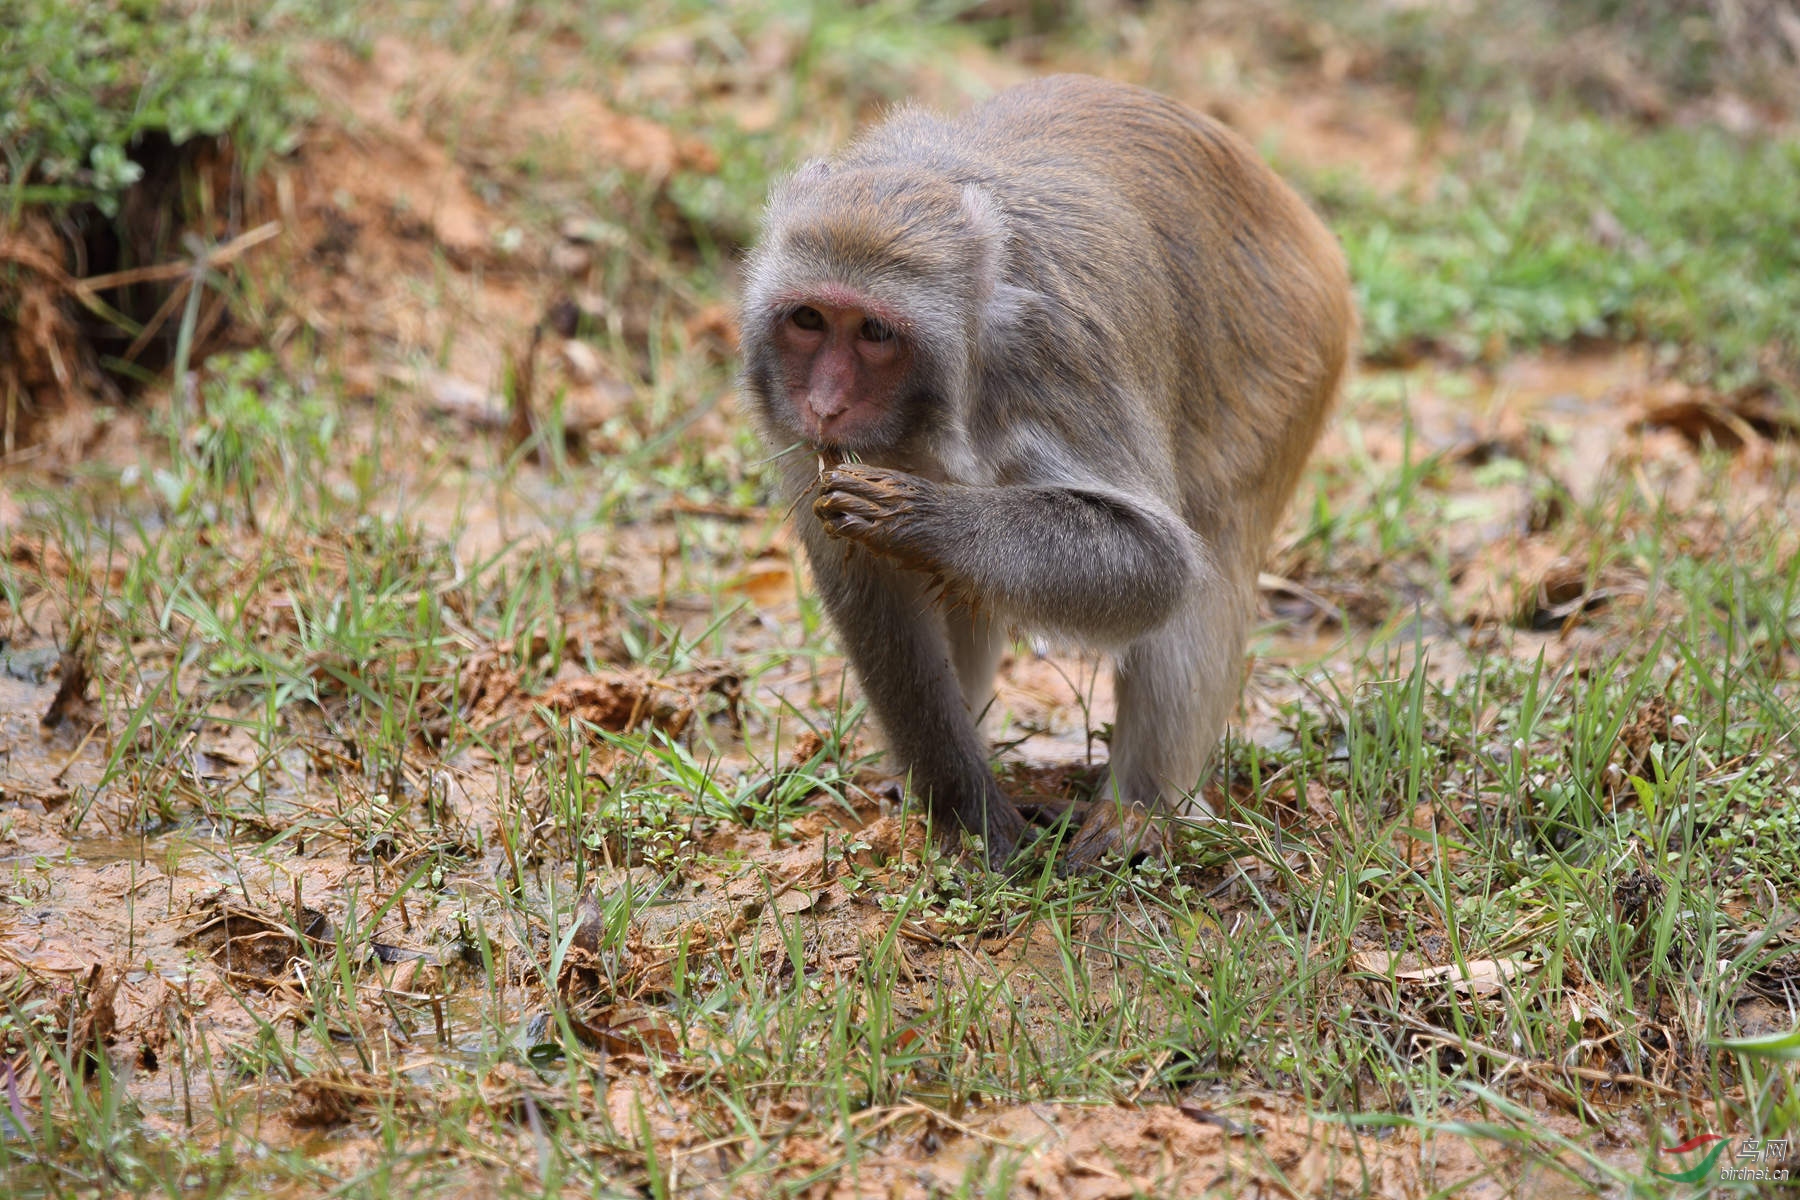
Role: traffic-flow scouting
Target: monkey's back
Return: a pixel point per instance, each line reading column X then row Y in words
column 1145, row 227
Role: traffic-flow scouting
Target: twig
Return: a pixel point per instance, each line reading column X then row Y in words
column 74, row 754
column 889, row 1116
column 1277, row 583
column 158, row 319
column 87, row 290
column 1530, row 1067
column 219, row 256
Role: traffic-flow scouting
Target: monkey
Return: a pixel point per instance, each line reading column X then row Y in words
column 1054, row 364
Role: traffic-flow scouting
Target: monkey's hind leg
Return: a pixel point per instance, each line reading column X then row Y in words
column 1176, row 687
column 977, row 642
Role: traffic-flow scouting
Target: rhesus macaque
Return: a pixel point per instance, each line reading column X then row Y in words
column 1056, row 364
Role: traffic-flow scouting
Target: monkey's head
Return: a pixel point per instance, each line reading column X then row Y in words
column 862, row 306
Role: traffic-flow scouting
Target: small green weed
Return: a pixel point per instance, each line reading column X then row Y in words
column 81, row 85
column 1582, row 229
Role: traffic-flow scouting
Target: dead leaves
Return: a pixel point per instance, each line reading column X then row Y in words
column 615, row 700
column 335, row 1096
column 1745, row 420
column 623, row 700
column 1482, row 977
column 631, row 1034
column 1526, row 582
column 1256, row 1147
column 1542, row 579
column 254, row 947
column 1571, row 586
column 71, row 699
column 1655, row 725
column 44, row 365
column 76, row 1010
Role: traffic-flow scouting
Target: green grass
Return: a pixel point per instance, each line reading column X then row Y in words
column 1555, row 224
column 81, row 85
column 1464, row 819
column 1466, row 66
column 1584, row 230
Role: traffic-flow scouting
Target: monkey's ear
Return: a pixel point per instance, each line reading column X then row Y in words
column 1008, row 316
column 813, row 170
column 1006, row 311
column 987, row 226
column 983, row 214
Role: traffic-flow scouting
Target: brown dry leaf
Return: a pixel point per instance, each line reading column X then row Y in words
column 1565, row 590
column 1655, row 724
column 224, row 757
column 1492, row 586
column 590, row 924
column 584, row 975
column 71, row 692
column 518, row 1093
column 465, row 401
column 93, row 1028
column 799, row 900
column 335, row 1096
column 1375, row 962
column 1260, row 870
column 1068, row 1151
column 635, row 1035
column 1745, row 418
column 1483, row 977
column 768, row 584
column 47, row 384
column 488, row 690
column 890, row 840
column 1525, row 581
column 255, row 946
column 614, row 700
column 621, row 700
column 33, row 553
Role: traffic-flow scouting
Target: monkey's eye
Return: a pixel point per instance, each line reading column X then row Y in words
column 876, row 331
column 808, row 318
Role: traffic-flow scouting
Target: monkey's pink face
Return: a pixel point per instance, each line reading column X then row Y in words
column 843, row 365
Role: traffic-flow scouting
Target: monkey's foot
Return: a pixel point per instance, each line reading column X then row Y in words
column 876, row 507
column 1127, row 830
column 1000, row 834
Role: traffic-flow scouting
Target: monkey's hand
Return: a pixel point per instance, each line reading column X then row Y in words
column 1128, row 830
column 885, row 511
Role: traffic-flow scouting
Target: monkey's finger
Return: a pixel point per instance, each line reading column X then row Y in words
column 832, row 502
column 891, row 496
column 852, row 529
column 847, row 516
column 853, row 475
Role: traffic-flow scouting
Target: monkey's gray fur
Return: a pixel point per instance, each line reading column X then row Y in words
column 1118, row 334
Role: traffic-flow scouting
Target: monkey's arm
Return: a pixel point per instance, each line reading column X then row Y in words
column 1095, row 563
column 894, row 637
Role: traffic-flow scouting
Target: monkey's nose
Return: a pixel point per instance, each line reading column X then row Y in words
column 827, row 406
